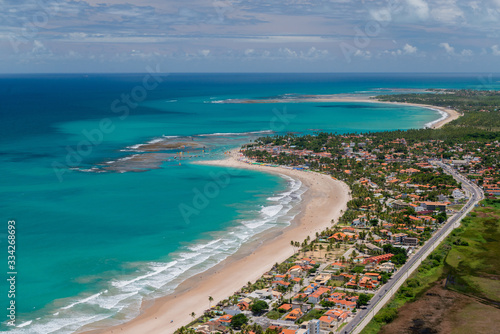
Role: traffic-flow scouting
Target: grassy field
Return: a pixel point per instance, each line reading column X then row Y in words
column 468, row 266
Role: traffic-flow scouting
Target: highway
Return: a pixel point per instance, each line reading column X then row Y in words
column 363, row 316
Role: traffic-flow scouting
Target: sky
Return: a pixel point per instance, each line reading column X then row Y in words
column 55, row 36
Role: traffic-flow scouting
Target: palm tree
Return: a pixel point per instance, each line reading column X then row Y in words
column 210, row 300
column 193, row 315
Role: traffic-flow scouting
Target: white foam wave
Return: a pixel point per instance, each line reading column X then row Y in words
column 121, row 284
column 154, row 141
column 234, row 133
column 155, row 279
column 83, row 300
column 272, row 210
column 444, row 115
column 24, row 324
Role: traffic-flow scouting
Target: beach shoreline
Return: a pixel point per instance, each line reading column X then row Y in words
column 323, row 202
column 448, row 114
column 269, row 247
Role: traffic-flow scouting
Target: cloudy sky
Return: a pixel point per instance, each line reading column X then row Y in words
column 250, row 35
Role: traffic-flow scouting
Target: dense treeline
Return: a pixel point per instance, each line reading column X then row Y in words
column 480, row 108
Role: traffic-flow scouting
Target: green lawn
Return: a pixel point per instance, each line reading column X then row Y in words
column 468, row 258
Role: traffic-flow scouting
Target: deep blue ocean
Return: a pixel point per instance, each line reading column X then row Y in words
column 98, row 231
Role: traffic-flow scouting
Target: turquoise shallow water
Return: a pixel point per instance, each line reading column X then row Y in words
column 91, row 246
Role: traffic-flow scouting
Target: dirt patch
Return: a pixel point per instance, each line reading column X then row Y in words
column 441, row 311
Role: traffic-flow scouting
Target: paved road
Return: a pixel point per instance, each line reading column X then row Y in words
column 475, row 193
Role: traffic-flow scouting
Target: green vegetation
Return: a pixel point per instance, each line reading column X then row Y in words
column 468, row 259
column 238, row 320
column 399, row 257
column 312, row 314
column 433, row 179
column 473, row 264
column 363, row 299
column 274, row 315
column 259, row 307
column 480, row 108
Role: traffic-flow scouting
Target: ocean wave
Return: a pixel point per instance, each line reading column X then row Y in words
column 85, row 300
column 24, row 324
column 272, row 210
column 137, row 147
column 443, row 114
column 233, row 133
column 125, row 295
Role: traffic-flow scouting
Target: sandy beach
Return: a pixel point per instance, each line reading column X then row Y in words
column 322, row 202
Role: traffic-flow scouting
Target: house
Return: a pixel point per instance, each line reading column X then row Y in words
column 268, row 293
column 398, row 237
column 373, row 248
column 216, row 326
column 232, row 310
column 294, row 315
column 339, row 236
column 327, row 323
column 345, row 304
column 322, row 279
column 281, row 283
column 225, row 320
column 399, row 205
column 295, row 271
column 243, row 305
column 387, row 267
column 433, row 206
column 315, row 297
column 311, row 288
column 288, row 331
column 286, row 307
column 410, row 241
column 358, row 222
column 378, row 258
column 337, row 266
column 305, row 307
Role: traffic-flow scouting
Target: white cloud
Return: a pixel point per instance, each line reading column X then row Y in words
column 314, row 53
column 419, row 8
column 467, row 53
column 205, row 53
column 409, row 49
column 248, row 52
column 363, row 54
column 448, row 13
column 451, row 51
column 381, row 15
column 288, row 53
column 495, row 50
column 448, row 48
column 77, row 35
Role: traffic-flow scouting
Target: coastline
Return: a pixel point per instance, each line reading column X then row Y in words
column 323, row 201
column 448, row 114
column 256, row 257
